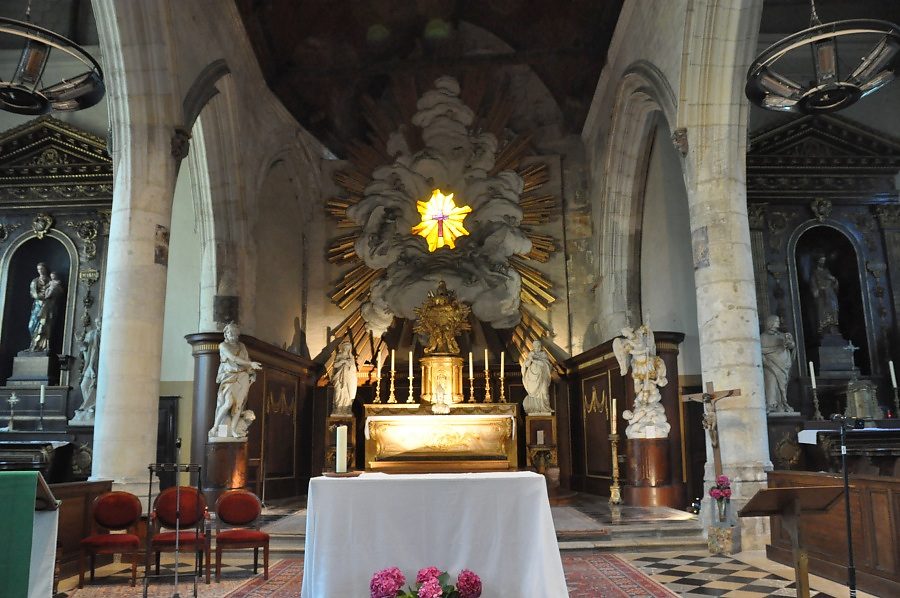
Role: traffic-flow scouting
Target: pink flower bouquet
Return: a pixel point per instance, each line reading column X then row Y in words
column 431, row 582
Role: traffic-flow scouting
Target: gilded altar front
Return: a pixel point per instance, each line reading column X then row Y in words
column 407, row 438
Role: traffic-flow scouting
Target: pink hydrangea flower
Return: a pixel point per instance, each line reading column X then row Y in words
column 715, row 493
column 386, row 583
column 431, row 589
column 726, row 493
column 427, row 573
column 723, row 481
column 468, row 584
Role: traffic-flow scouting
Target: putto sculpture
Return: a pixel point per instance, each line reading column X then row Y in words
column 236, row 373
column 637, row 349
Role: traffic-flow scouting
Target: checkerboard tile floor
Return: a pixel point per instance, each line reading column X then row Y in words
column 713, row 575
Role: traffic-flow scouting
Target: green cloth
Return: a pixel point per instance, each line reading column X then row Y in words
column 17, row 494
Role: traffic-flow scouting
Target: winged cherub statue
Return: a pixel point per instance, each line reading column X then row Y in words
column 636, row 349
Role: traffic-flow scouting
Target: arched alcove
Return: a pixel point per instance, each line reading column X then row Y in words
column 21, row 270
column 842, row 260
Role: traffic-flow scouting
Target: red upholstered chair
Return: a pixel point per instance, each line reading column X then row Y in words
column 192, row 534
column 240, row 509
column 112, row 511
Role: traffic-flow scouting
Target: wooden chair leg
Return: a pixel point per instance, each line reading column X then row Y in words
column 134, row 560
column 266, row 560
column 81, row 568
column 255, row 561
column 208, row 564
column 218, row 563
column 93, row 560
column 157, row 562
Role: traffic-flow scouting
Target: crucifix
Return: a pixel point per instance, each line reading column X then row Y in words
column 710, row 420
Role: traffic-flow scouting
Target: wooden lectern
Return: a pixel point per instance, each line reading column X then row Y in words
column 790, row 503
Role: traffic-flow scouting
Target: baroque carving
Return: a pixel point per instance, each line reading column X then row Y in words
column 888, row 215
column 42, row 224
column 5, row 229
column 680, row 140
column 756, row 214
column 87, row 231
column 50, row 157
column 821, row 208
column 181, row 143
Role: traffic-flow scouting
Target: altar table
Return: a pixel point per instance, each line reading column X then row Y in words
column 496, row 524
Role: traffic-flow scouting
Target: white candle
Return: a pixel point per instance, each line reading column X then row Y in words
column 378, row 372
column 471, row 367
column 502, row 363
column 812, row 375
column 44, row 388
column 485, row 359
column 893, row 374
column 613, row 417
column 392, row 359
column 410, row 364
column 340, row 454
column 540, row 437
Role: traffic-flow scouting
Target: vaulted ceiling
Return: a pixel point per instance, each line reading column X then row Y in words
column 321, row 57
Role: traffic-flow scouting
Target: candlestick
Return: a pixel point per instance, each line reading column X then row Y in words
column 44, row 392
column 613, row 418
column 340, row 454
column 893, row 374
column 471, row 380
column 409, row 398
column 818, row 414
column 812, row 375
column 502, row 398
column 487, row 384
column 391, row 397
column 615, row 494
column 12, row 400
column 378, row 381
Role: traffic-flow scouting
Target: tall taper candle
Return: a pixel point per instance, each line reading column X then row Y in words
column 410, row 364
column 890, row 367
column 378, row 371
column 340, row 453
column 812, row 375
column 502, row 363
column 485, row 359
column 471, row 367
column 393, row 353
column 613, row 418
column 44, row 388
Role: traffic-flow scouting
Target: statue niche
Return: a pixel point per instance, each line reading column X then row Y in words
column 831, row 301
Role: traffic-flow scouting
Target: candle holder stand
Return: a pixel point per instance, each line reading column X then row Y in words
column 391, row 397
column 40, row 425
column 487, row 386
column 377, row 389
column 615, row 491
column 502, row 390
column 471, row 390
column 818, row 414
column 12, row 400
column 409, row 398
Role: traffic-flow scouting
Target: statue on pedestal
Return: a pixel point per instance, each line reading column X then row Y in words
column 47, row 293
column 536, row 380
column 824, row 288
column 777, row 357
column 236, row 374
column 90, row 357
column 343, row 378
column 637, row 349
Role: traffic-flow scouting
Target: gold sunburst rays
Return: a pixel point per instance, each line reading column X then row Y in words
column 442, row 220
column 365, row 347
column 528, row 330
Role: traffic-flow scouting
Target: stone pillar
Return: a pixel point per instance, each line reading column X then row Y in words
column 141, row 96
column 720, row 46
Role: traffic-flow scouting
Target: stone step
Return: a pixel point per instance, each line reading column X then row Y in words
column 672, row 543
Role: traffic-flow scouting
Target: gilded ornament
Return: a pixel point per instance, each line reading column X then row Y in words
column 442, row 220
column 442, row 318
column 821, row 208
column 42, row 224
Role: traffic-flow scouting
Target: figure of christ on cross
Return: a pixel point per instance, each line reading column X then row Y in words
column 710, row 417
column 442, row 220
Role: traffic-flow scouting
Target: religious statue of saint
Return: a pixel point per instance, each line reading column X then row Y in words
column 236, row 374
column 777, row 357
column 536, row 380
column 637, row 349
column 343, row 378
column 824, row 288
column 47, row 293
column 90, row 358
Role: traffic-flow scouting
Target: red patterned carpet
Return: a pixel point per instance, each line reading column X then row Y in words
column 285, row 579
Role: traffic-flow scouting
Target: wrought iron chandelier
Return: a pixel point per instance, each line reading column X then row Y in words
column 832, row 86
column 26, row 93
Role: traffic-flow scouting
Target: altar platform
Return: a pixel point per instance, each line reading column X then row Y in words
column 409, row 438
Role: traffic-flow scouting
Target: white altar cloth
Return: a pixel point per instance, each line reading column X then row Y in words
column 496, row 524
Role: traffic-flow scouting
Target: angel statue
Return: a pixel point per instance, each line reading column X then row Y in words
column 441, row 318
column 637, row 349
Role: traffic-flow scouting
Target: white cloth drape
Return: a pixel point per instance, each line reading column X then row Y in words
column 495, row 524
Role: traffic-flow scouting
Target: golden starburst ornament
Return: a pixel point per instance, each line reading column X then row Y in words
column 442, row 220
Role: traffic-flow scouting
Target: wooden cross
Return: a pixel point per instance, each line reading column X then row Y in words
column 710, row 419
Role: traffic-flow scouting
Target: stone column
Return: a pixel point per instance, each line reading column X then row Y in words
column 721, row 43
column 142, row 108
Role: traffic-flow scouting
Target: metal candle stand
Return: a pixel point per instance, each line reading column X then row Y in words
column 818, row 414
column 391, row 397
column 12, row 400
column 615, row 491
column 487, row 386
column 845, row 421
column 409, row 398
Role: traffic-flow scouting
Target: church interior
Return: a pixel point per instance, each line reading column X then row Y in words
column 578, row 298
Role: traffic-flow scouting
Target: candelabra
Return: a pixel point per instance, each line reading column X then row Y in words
column 409, row 398
column 12, row 400
column 487, row 386
column 471, row 388
column 818, row 414
column 615, row 493
column 391, row 397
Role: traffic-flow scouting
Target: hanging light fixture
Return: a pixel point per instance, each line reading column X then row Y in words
column 26, row 93
column 830, row 88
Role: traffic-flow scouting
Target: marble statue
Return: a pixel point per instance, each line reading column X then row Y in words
column 777, row 357
column 536, row 380
column 441, row 399
column 457, row 156
column 637, row 349
column 824, row 288
column 343, row 379
column 47, row 294
column 236, row 374
column 90, row 358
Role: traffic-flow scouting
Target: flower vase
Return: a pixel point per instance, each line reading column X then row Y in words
column 721, row 509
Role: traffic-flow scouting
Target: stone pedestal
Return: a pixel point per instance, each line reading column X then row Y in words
column 542, row 452
column 649, row 475
column 34, row 369
column 224, row 468
column 331, row 424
